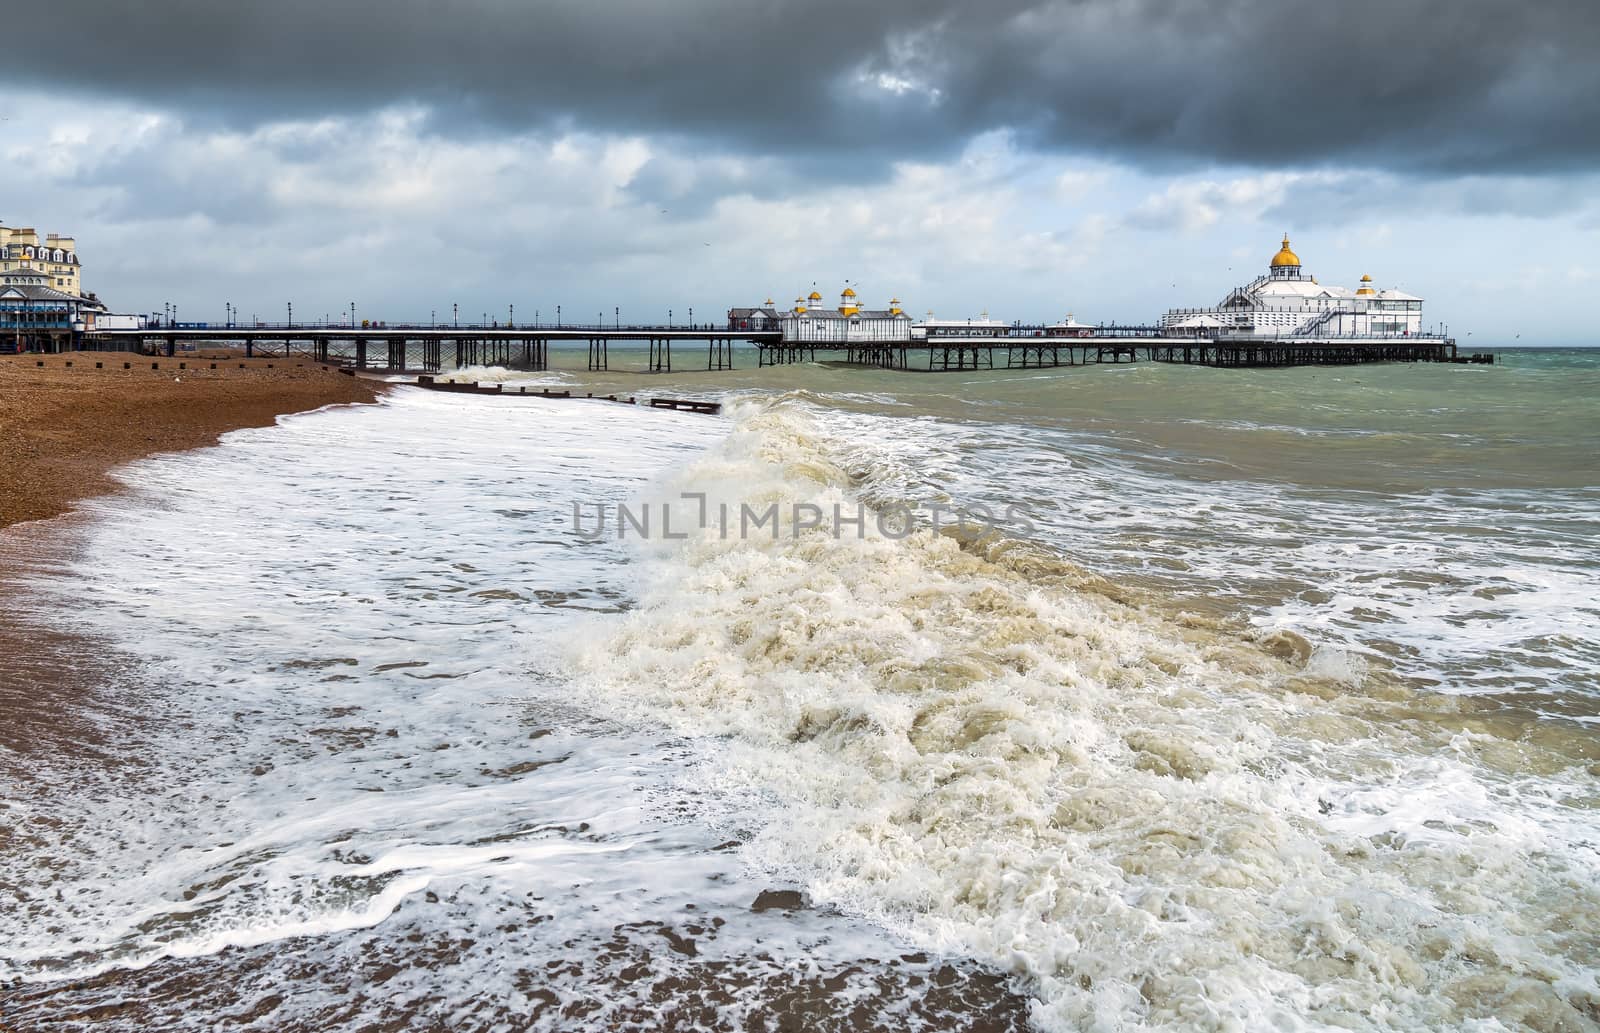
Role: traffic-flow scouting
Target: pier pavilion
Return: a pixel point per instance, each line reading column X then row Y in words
column 809, row 320
column 1287, row 301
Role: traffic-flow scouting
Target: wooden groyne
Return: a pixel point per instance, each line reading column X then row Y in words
column 474, row 388
column 682, row 405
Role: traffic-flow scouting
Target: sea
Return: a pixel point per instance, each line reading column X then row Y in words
column 1117, row 697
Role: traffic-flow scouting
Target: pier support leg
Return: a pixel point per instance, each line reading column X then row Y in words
column 661, row 355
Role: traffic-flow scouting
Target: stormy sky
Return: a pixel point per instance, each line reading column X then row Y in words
column 1028, row 157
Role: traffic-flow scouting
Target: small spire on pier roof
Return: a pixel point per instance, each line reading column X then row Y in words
column 1285, row 256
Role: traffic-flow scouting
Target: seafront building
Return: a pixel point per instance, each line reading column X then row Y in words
column 808, row 320
column 35, row 316
column 42, row 301
column 55, row 258
column 1289, row 302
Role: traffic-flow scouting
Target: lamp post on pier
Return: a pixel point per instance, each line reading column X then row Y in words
column 511, row 316
column 691, row 317
column 352, row 315
column 455, row 313
column 616, row 318
column 558, row 317
column 291, row 314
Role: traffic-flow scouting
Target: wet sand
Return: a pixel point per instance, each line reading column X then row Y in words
column 64, row 425
column 62, row 428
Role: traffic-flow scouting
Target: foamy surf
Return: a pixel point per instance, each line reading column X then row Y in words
column 313, row 776
column 1152, row 822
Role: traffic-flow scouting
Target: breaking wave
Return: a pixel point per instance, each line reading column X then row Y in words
column 1148, row 819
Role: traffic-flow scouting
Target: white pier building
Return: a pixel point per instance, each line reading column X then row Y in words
column 983, row 326
column 809, row 321
column 1289, row 302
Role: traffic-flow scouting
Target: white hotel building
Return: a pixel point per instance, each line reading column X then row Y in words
column 1289, row 302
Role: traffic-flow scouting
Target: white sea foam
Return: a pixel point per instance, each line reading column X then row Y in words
column 339, row 751
column 1156, row 823
column 505, row 375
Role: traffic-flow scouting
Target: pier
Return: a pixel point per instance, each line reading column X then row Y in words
column 411, row 349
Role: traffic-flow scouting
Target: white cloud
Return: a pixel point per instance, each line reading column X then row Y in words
column 1081, row 183
column 1194, row 205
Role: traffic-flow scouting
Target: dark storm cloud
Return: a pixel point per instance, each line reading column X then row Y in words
column 1426, row 85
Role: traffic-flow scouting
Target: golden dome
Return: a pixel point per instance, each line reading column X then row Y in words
column 1366, row 286
column 849, row 292
column 814, row 296
column 1285, row 257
